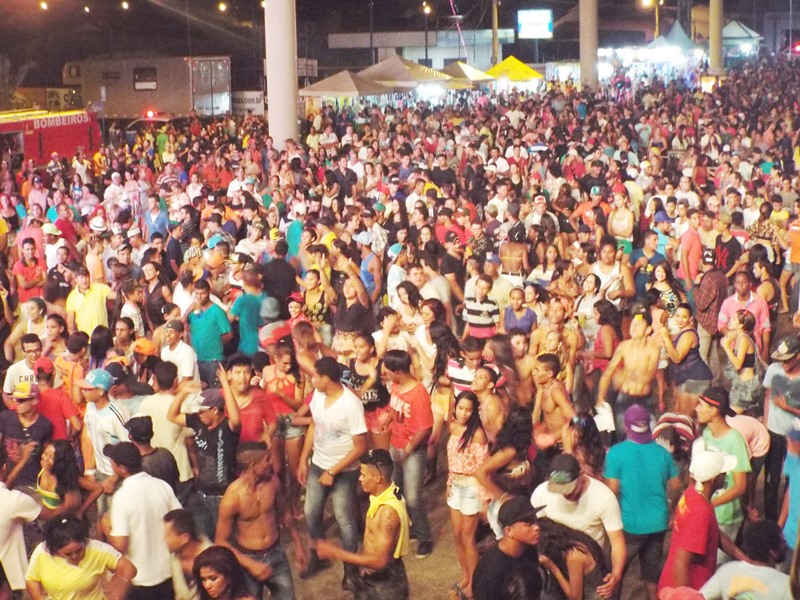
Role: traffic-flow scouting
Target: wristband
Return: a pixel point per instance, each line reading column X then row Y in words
column 329, row 472
column 90, row 471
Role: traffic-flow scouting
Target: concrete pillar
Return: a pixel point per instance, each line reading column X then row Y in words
column 280, row 27
column 715, row 61
column 588, row 32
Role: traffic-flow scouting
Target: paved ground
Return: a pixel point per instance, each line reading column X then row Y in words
column 430, row 578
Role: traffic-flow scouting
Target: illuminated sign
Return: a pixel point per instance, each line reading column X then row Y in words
column 535, row 24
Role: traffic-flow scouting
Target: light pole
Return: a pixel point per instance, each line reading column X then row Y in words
column 656, row 4
column 371, row 30
column 426, row 9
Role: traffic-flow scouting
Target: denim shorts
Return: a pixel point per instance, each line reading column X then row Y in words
column 286, row 430
column 465, row 495
column 695, row 386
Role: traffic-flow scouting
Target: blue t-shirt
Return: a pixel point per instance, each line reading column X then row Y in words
column 642, row 275
column 207, row 329
column 792, row 471
column 248, row 308
column 643, row 471
column 293, row 235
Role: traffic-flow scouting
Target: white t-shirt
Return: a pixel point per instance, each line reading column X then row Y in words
column 742, row 580
column 167, row 434
column 138, row 513
column 105, row 426
column 596, row 512
column 335, row 426
column 17, row 373
column 185, row 358
column 18, row 508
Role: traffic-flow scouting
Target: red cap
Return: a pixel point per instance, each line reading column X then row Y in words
column 44, row 364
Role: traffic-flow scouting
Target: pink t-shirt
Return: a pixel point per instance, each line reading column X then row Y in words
column 754, row 433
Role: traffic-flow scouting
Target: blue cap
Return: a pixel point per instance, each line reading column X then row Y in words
column 97, row 379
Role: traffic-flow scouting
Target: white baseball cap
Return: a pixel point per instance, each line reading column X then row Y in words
column 708, row 464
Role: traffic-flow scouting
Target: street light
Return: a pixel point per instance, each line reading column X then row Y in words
column 426, row 9
column 222, row 7
column 125, row 5
column 656, row 4
column 43, row 5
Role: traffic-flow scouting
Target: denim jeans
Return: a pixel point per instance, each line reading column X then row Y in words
column 345, row 505
column 280, row 583
column 205, row 508
column 408, row 476
column 773, row 473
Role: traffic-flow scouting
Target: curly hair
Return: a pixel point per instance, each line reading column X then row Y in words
column 516, row 433
column 557, row 540
column 65, row 467
column 222, row 561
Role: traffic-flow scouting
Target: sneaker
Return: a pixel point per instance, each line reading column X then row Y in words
column 314, row 566
column 424, row 549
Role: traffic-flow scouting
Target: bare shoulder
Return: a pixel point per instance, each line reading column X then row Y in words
column 387, row 519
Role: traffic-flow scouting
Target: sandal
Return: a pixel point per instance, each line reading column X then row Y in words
column 456, row 593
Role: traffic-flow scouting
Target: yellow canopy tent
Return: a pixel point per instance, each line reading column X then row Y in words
column 464, row 76
column 398, row 72
column 513, row 69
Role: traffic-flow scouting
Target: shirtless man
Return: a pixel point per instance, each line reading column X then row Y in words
column 525, row 363
column 381, row 573
column 551, row 411
column 248, row 524
column 514, row 251
column 557, row 317
column 638, row 359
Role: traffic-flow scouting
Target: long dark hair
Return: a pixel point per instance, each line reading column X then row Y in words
column 65, row 467
column 224, row 562
column 102, row 341
column 609, row 315
column 671, row 280
column 474, row 422
column 557, row 540
column 516, row 433
column 447, row 347
column 414, row 299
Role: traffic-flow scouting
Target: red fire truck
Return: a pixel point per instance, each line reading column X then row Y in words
column 37, row 133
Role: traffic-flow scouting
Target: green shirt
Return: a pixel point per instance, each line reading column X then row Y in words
column 731, row 443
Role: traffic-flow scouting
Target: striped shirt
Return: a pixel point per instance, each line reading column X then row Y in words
column 482, row 316
column 460, row 375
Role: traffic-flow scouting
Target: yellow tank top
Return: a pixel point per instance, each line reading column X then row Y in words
column 391, row 496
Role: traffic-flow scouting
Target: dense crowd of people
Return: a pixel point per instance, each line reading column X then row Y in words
column 575, row 309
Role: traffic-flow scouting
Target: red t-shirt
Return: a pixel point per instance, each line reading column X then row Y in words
column 254, row 416
column 28, row 273
column 56, row 407
column 696, row 531
column 411, row 413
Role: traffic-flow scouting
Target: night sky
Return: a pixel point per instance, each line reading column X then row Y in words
column 160, row 27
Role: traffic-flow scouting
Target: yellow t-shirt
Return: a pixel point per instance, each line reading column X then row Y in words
column 89, row 308
column 64, row 581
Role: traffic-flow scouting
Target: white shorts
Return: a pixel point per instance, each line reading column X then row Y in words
column 465, row 495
